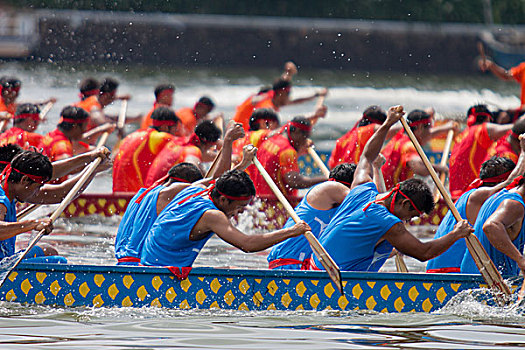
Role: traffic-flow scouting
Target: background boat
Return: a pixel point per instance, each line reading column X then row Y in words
column 506, row 46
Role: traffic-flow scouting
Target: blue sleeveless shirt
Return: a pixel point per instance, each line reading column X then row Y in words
column 452, row 257
column 505, row 265
column 168, row 242
column 136, row 223
column 352, row 235
column 298, row 248
column 7, row 246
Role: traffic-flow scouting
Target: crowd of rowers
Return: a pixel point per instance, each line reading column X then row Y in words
column 358, row 212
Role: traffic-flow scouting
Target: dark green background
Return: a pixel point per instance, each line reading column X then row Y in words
column 504, row 11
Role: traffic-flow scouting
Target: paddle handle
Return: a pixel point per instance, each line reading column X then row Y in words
column 400, row 264
column 26, row 211
column 121, row 121
column 320, row 101
column 102, row 140
column 326, row 260
column 480, row 256
column 318, row 161
column 444, row 159
column 46, row 110
column 214, row 164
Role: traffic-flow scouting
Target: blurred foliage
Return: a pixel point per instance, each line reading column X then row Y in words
column 469, row 11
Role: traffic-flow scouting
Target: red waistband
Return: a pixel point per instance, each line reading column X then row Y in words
column 444, row 270
column 283, row 262
column 129, row 259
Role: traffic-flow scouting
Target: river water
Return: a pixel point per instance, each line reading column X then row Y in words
column 463, row 323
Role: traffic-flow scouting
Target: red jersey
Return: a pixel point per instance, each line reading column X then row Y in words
column 398, row 152
column 173, row 153
column 24, row 139
column 349, row 147
column 468, row 153
column 251, row 137
column 502, row 148
column 255, row 138
column 278, row 157
column 90, row 104
column 136, row 154
column 57, row 146
column 518, row 73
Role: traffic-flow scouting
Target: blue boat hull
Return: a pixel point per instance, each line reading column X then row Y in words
column 206, row 288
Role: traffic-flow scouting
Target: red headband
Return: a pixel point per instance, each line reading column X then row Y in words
column 71, row 120
column 515, row 182
column 89, row 93
column 169, row 122
column 34, row 116
column 419, row 122
column 4, row 175
column 208, row 191
column 301, row 126
column 495, row 179
column 340, row 181
column 194, row 140
column 17, row 88
column 395, row 190
column 473, row 116
column 165, row 92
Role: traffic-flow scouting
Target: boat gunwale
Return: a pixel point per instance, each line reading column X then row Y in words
column 212, row 271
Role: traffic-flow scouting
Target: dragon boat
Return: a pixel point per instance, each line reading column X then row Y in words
column 231, row 289
column 108, row 204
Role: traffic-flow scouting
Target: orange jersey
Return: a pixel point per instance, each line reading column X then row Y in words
column 398, row 152
column 518, row 73
column 24, row 139
column 502, row 148
column 244, row 111
column 146, row 120
column 136, row 154
column 278, row 157
column 468, row 153
column 349, row 147
column 89, row 104
column 10, row 108
column 188, row 120
column 174, row 153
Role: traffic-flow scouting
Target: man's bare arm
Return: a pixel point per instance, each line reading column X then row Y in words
column 216, row 221
column 407, row 244
column 364, row 171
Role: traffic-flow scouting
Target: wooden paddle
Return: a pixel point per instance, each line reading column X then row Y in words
column 121, row 120
column 480, row 256
column 444, row 160
column 318, row 161
column 32, row 207
column 319, row 251
column 481, row 51
column 45, row 110
column 65, row 202
column 400, row 263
